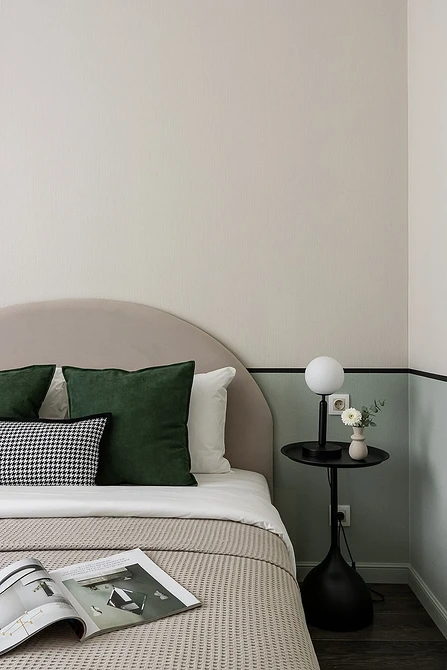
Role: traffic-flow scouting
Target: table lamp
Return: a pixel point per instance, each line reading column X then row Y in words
column 324, row 375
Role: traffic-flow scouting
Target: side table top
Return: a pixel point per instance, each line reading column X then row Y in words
column 375, row 456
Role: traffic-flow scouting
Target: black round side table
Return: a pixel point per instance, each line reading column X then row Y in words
column 334, row 595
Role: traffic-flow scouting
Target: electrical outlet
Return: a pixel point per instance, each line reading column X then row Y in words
column 337, row 403
column 346, row 510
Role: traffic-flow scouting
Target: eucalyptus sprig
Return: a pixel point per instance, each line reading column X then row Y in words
column 369, row 413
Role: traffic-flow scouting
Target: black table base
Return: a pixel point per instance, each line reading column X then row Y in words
column 335, row 597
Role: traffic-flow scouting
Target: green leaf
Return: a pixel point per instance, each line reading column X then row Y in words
column 372, row 423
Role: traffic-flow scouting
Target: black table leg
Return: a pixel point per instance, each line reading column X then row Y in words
column 334, row 595
column 334, row 506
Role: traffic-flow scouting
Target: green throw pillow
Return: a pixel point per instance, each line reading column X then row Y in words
column 22, row 391
column 148, row 441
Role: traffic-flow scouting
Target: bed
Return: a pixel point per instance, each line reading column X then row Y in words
column 223, row 540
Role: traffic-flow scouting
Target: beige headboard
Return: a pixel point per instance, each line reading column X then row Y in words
column 107, row 333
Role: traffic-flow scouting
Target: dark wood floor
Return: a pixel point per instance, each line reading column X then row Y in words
column 402, row 637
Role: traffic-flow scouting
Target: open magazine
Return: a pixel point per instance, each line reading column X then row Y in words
column 96, row 597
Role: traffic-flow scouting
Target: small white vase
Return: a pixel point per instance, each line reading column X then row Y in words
column 358, row 449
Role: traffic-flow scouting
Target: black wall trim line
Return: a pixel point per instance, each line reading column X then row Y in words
column 359, row 370
column 429, row 375
column 411, row 371
column 282, row 370
column 380, row 371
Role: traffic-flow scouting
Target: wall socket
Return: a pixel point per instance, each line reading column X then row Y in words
column 337, row 403
column 346, row 509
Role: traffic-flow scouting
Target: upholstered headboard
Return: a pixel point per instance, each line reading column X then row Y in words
column 107, row 333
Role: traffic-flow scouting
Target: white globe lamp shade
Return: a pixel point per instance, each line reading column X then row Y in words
column 324, row 375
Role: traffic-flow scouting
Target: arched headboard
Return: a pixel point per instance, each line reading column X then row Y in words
column 108, row 333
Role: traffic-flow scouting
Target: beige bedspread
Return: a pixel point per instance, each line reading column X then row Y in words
column 251, row 617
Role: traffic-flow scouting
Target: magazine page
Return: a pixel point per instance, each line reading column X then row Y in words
column 29, row 601
column 122, row 590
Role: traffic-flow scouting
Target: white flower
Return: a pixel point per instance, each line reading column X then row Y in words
column 351, row 417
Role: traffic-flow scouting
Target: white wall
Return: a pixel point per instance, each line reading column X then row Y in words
column 242, row 164
column 428, row 184
column 427, row 47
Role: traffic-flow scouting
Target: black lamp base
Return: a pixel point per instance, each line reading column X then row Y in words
column 321, row 453
column 335, row 597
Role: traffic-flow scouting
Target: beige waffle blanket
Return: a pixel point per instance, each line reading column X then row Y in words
column 251, row 616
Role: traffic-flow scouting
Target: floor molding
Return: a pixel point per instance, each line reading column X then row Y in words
column 437, row 611
column 373, row 573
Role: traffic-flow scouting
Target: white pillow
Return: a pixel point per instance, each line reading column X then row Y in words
column 206, row 424
column 55, row 404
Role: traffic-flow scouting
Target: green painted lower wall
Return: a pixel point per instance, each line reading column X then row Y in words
column 378, row 496
column 428, row 483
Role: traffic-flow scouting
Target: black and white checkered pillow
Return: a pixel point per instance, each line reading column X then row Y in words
column 50, row 453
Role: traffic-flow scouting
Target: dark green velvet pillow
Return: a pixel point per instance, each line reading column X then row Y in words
column 22, row 391
column 147, row 444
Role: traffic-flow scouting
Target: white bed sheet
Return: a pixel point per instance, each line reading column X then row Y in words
column 239, row 495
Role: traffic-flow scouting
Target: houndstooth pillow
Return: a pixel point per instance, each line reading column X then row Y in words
column 51, row 453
